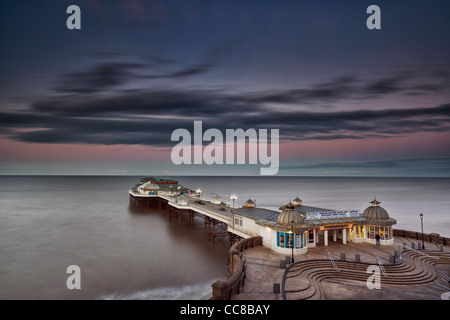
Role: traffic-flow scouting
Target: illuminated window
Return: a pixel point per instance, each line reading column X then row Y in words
column 281, row 240
column 299, row 240
column 371, row 232
column 285, row 240
column 385, row 233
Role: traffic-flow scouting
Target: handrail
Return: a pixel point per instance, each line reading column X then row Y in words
column 429, row 237
column 419, row 251
column 381, row 265
column 332, row 261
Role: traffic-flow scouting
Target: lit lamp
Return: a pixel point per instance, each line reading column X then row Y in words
column 421, row 223
column 292, row 243
column 233, row 197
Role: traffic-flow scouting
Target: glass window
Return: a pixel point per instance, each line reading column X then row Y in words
column 290, row 240
column 381, row 233
column 298, row 240
column 285, row 240
column 311, row 235
column 238, row 221
column 387, row 233
column 371, row 232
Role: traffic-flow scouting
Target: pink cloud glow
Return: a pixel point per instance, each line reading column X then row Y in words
column 23, row 151
column 414, row 145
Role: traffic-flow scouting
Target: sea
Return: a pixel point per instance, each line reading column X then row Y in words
column 48, row 223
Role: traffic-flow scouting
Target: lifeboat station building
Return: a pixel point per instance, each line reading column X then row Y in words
column 298, row 227
column 159, row 186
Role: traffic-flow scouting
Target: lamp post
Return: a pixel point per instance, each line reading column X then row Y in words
column 421, row 223
column 292, row 243
column 233, row 197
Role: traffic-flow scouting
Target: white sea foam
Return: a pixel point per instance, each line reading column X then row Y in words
column 186, row 292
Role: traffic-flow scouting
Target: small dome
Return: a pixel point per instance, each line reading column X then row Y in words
column 289, row 214
column 375, row 212
column 289, row 206
column 150, row 186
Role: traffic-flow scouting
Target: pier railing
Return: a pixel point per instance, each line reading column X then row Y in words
column 225, row 290
column 431, row 237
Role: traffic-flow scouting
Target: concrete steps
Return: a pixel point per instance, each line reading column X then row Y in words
column 303, row 280
column 304, row 291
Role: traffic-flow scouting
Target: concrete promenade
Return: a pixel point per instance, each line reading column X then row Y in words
column 418, row 281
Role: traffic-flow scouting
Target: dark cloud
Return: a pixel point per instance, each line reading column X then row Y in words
column 149, row 117
column 78, row 113
column 172, row 103
column 385, row 86
column 339, row 88
column 417, row 81
column 185, row 72
column 108, row 76
column 98, row 78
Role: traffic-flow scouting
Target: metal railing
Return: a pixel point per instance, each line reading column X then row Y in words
column 330, row 257
column 381, row 265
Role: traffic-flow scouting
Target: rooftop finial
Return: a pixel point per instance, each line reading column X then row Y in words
column 375, row 202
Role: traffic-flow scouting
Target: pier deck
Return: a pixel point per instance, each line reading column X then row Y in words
column 214, row 215
column 207, row 208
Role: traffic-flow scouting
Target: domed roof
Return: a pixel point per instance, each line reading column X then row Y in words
column 289, row 215
column 375, row 212
column 150, row 186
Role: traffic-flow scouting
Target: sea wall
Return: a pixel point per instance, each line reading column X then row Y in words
column 429, row 237
column 223, row 290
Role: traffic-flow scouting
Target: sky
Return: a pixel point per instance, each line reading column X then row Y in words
column 105, row 99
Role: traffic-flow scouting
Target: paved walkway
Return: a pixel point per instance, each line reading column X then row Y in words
column 263, row 270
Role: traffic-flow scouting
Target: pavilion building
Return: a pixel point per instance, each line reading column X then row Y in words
column 298, row 227
column 160, row 186
column 377, row 221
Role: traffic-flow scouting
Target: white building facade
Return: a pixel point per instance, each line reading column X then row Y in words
column 296, row 227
